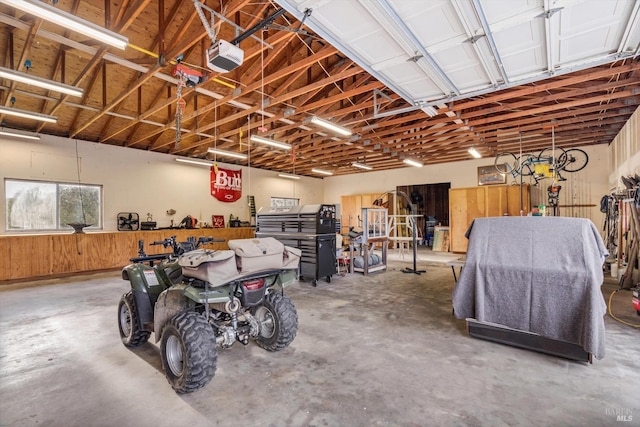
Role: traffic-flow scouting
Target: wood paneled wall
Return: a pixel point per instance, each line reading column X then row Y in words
column 351, row 209
column 39, row 256
column 467, row 204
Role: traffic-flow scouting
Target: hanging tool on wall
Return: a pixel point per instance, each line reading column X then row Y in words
column 553, row 191
column 186, row 77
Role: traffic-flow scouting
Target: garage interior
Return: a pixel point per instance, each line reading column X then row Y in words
column 415, row 121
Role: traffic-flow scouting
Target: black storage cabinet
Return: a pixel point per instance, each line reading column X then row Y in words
column 310, row 228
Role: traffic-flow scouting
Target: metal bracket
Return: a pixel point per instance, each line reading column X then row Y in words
column 209, row 27
column 378, row 93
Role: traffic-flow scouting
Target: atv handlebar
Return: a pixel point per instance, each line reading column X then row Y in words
column 166, row 242
column 206, row 240
column 178, row 247
column 171, row 241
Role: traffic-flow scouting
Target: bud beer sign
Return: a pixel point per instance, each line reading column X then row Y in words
column 226, row 184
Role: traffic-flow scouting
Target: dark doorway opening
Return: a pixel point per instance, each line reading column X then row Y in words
column 431, row 201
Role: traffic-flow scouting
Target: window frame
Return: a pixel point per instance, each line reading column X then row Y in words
column 57, row 184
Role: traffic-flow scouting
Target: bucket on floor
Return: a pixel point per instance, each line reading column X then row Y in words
column 621, row 271
column 614, row 270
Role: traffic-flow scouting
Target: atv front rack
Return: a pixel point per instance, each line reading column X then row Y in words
column 150, row 258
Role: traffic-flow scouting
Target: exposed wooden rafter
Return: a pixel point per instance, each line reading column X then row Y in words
column 129, row 96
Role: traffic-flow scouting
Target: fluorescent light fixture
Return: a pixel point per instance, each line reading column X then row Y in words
column 195, row 162
column 330, row 126
column 362, row 166
column 17, row 76
column 289, row 176
column 69, row 21
column 474, row 153
column 27, row 114
column 323, row 172
column 431, row 112
column 271, row 142
column 227, row 154
column 11, row 133
column 412, row 162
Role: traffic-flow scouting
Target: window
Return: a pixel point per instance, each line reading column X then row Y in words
column 40, row 206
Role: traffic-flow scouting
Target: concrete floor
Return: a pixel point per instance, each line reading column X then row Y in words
column 382, row 350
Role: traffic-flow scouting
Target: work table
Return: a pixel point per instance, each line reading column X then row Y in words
column 32, row 256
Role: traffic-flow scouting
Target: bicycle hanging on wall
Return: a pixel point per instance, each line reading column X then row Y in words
column 551, row 162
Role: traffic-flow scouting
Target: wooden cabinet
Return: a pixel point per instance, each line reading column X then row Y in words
column 466, row 204
column 38, row 256
column 351, row 210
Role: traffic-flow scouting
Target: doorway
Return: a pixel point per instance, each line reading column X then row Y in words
column 431, row 201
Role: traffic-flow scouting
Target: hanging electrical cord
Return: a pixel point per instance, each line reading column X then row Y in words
column 553, row 153
column 249, row 153
column 262, row 128
column 614, row 317
column 84, row 215
column 520, row 173
column 215, row 137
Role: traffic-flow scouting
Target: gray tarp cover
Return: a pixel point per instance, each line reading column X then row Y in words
column 536, row 274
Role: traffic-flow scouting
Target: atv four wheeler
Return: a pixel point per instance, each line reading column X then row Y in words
column 198, row 300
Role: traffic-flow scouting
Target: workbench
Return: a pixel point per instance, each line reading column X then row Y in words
column 31, row 256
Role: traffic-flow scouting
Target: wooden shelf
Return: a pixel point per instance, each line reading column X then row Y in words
column 41, row 255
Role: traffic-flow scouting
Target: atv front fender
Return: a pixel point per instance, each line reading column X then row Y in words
column 146, row 285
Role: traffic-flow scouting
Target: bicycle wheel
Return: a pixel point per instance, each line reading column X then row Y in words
column 547, row 156
column 575, row 160
column 506, row 163
column 527, row 164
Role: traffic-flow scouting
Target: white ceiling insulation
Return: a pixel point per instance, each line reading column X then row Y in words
column 431, row 52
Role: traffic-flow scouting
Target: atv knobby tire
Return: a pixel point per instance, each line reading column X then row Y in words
column 278, row 322
column 189, row 352
column 130, row 332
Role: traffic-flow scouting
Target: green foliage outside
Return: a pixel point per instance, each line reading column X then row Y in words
column 32, row 205
column 79, row 204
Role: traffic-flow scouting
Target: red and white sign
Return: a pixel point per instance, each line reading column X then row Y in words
column 226, row 184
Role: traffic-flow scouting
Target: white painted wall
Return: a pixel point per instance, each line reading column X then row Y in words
column 143, row 181
column 624, row 153
column 459, row 174
column 584, row 187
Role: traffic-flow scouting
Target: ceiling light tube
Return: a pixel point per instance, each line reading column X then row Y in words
column 27, row 114
column 17, row 76
column 195, row 162
column 11, row 133
column 474, row 153
column 69, row 21
column 412, row 162
column 289, row 176
column 323, row 172
column 331, row 126
column 361, row 166
column 271, row 142
column 227, row 154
